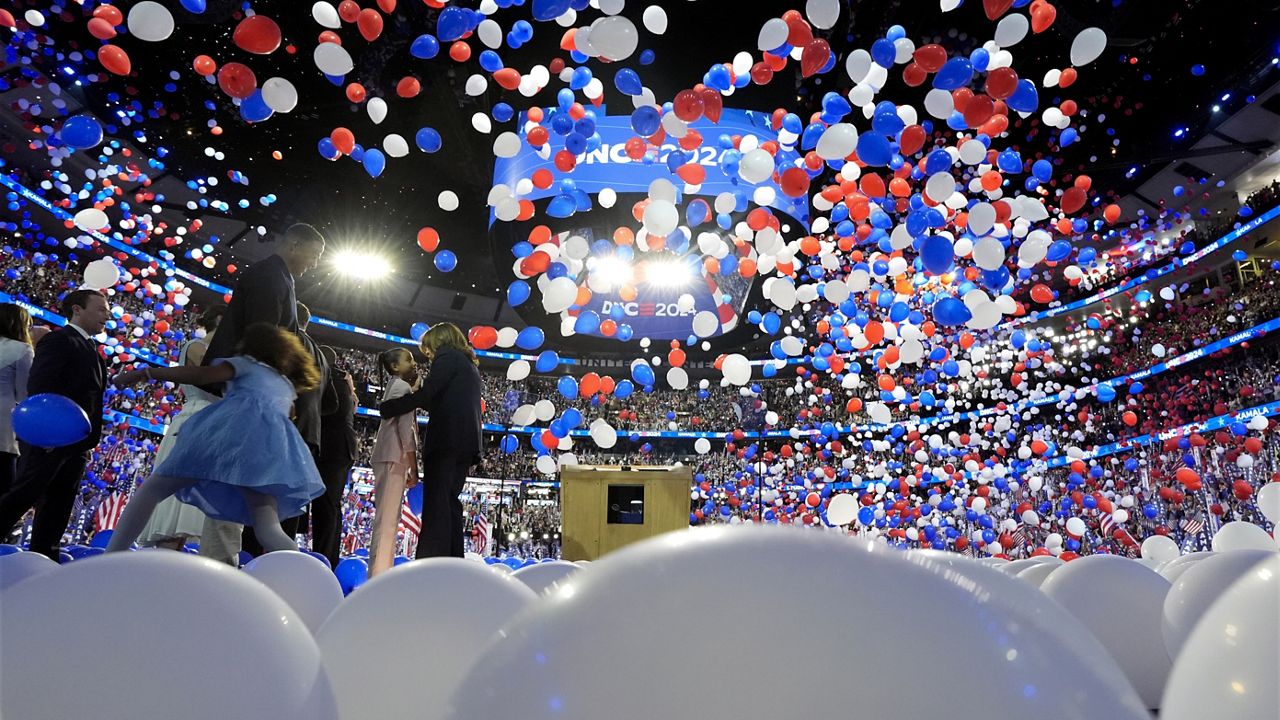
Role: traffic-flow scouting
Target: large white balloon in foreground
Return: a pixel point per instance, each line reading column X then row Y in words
column 1119, row 600
column 1228, row 667
column 19, row 566
column 156, row 634
column 398, row 645
column 625, row 641
column 1197, row 589
column 305, row 582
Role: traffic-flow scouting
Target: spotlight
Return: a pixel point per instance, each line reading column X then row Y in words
column 668, row 273
column 613, row 271
column 361, row 265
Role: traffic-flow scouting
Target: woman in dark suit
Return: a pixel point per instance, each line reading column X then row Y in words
column 453, row 442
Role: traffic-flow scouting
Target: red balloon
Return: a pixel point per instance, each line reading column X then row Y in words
column 343, row 139
column 761, row 73
column 110, row 13
column 114, row 59
column 237, row 80
column 1001, row 82
column 795, row 182
column 814, row 57
column 348, row 10
column 101, row 29
column 978, row 111
column 1073, row 200
column 204, row 65
column 712, row 104
column 482, row 337
column 1042, row 16
column 257, row 34
column 930, row 57
column 799, row 33
column 589, row 385
column 914, row 75
column 996, row 8
column 428, row 239
column 687, row 105
column 370, row 24
column 911, row 140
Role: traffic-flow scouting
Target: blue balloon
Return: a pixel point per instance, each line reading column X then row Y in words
column 646, row 120
column 517, row 292
column 568, row 387
column 623, row 389
column 937, row 254
column 547, row 361
column 453, row 23
column 544, row 10
column 873, row 149
column 530, row 338
column 642, row 373
column 321, row 558
column 628, row 82
column 81, row 132
column 418, row 329
column 562, row 206
column 951, row 311
column 48, row 420
column 954, row 74
column 254, row 108
column 446, row 261
column 194, row 6
column 326, row 149
column 351, row 572
column 428, row 140
column 374, row 163
column 425, row 47
column 1024, row 98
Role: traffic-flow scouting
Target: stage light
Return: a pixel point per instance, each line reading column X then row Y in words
column 613, row 271
column 668, row 273
column 361, row 265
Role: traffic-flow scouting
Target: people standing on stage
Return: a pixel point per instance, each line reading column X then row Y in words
column 395, row 459
column 264, row 293
column 16, row 353
column 453, row 442
column 175, row 523
column 338, row 446
column 240, row 460
column 66, row 362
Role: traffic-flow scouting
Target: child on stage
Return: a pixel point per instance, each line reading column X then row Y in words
column 240, row 459
column 395, row 460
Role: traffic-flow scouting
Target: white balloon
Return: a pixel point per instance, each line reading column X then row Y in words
column 705, row 324
column 1198, row 588
column 1173, row 569
column 655, row 19
column 544, row 577
column 773, row 34
column 16, row 567
column 756, row 166
column 448, row 201
column 305, row 582
column 332, row 59
column 823, row 14
column 101, row 274
column 842, row 509
column 607, row 197
column 1011, row 29
column 702, row 446
column 1268, row 500
column 837, row 142
column 604, row 435
column 524, row 415
column 559, row 295
column 229, row 618
column 1160, row 548
column 1241, row 535
column 544, row 409
column 326, row 15
column 1037, row 574
column 614, row 38
column 736, row 369
column 677, row 378
column 507, row 337
column 476, row 85
column 395, row 145
column 490, row 33
column 1229, row 664
column 150, row 21
column 1087, row 46
column 518, row 370
column 279, row 94
column 661, row 217
column 377, row 109
column 545, row 464
column 655, row 583
column 506, row 145
column 481, row 123
column 422, row 625
column 1114, row 597
column 988, row 253
column 91, row 219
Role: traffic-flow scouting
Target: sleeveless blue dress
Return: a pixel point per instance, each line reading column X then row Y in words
column 245, row 441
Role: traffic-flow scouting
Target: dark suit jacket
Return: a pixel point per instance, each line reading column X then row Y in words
column 68, row 364
column 451, row 394
column 264, row 293
column 307, row 406
column 338, row 443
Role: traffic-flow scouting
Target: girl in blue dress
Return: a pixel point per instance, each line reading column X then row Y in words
column 240, row 459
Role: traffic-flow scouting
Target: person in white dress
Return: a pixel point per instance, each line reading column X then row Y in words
column 175, row 523
column 395, row 460
column 16, row 354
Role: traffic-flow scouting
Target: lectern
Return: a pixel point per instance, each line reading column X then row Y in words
column 604, row 508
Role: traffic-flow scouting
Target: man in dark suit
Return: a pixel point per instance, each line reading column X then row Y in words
column 264, row 293
column 453, row 441
column 338, row 444
column 66, row 363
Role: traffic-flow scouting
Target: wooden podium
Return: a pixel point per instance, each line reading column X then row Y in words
column 604, row 508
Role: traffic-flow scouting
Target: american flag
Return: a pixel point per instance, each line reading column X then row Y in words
column 108, row 512
column 483, row 535
column 411, row 523
column 1106, row 524
column 1192, row 525
column 1020, row 536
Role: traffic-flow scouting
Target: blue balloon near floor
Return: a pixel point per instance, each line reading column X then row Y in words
column 321, row 558
column 400, row 560
column 491, row 561
column 362, row 553
column 244, row 558
column 64, row 558
column 351, row 572
column 100, row 539
column 9, row 550
column 514, row 563
column 49, row 421
column 191, row 549
column 76, row 551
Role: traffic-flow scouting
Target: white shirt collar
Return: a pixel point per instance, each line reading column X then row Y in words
column 83, row 333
